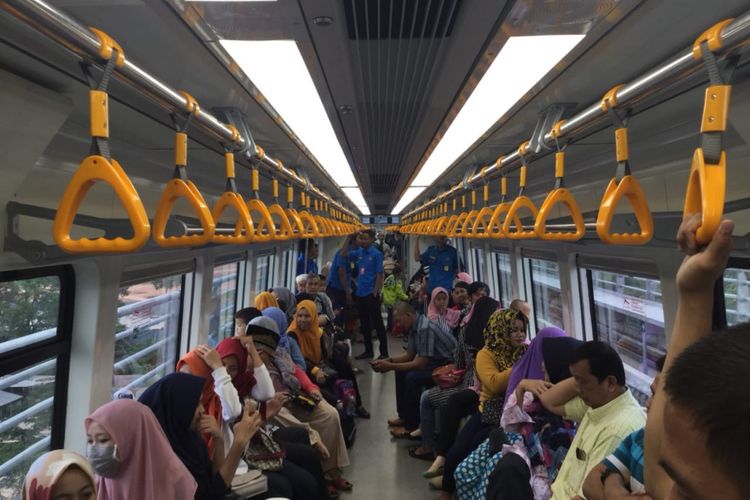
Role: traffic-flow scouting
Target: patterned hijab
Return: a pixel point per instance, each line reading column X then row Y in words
column 497, row 339
column 47, row 470
column 265, row 300
column 309, row 340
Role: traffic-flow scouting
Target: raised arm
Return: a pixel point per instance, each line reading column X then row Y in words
column 555, row 398
column 695, row 284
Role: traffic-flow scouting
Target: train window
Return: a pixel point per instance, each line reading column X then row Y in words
column 628, row 315
column 504, row 277
column 35, row 326
column 546, row 295
column 263, row 272
column 148, row 328
column 290, row 266
column 223, row 302
column 737, row 295
column 478, row 264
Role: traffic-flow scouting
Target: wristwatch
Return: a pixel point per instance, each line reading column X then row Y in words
column 608, row 473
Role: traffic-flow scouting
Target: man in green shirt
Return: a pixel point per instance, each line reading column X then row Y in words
column 597, row 398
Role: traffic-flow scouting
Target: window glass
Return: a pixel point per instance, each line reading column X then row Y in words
column 262, row 273
column 478, row 264
column 545, row 284
column 223, row 302
column 628, row 315
column 148, row 322
column 504, row 278
column 29, row 311
column 737, row 295
column 26, row 406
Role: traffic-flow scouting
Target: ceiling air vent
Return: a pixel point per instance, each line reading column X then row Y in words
column 394, row 19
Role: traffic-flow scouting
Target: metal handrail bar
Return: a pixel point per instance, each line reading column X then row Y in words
column 733, row 36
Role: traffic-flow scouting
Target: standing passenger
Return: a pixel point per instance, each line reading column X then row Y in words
column 307, row 258
column 369, row 284
column 442, row 260
column 338, row 283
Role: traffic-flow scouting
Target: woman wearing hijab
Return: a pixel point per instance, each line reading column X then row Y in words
column 264, row 300
column 456, row 403
column 285, row 341
column 529, row 451
column 59, row 474
column 175, row 400
column 318, row 353
column 322, row 417
column 287, row 301
column 438, row 308
column 504, row 344
column 131, row 455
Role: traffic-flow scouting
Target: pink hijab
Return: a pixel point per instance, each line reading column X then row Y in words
column 149, row 469
column 450, row 316
column 465, row 277
column 47, row 470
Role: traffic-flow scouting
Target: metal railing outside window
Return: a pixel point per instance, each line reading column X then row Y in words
column 223, row 302
column 546, row 295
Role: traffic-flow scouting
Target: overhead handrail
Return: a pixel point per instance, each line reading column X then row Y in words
column 99, row 166
column 623, row 184
column 482, row 221
column 465, row 231
column 283, row 229
column 265, row 229
column 495, row 227
column 310, row 227
column 180, row 186
column 706, row 186
column 512, row 227
column 559, row 195
column 298, row 228
column 458, row 222
column 323, row 227
column 243, row 226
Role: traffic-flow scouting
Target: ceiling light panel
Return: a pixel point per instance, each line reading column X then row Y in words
column 522, row 62
column 277, row 69
column 409, row 196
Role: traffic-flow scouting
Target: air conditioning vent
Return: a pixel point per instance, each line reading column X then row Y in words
column 394, row 19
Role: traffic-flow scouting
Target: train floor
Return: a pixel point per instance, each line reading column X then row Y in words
column 381, row 468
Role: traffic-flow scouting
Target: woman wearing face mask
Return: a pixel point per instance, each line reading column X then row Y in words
column 131, row 455
column 59, row 474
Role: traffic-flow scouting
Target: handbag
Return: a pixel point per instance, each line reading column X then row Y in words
column 249, row 484
column 303, row 401
column 263, row 453
column 492, row 411
column 448, row 376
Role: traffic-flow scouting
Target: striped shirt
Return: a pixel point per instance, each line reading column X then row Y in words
column 627, row 459
column 434, row 340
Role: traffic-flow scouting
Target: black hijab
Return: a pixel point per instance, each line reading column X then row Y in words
column 480, row 315
column 556, row 352
column 173, row 399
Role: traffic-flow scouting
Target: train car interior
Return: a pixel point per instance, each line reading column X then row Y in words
column 167, row 164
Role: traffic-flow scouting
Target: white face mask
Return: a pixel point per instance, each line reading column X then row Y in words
column 103, row 459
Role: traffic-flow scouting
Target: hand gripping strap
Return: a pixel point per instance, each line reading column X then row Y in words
column 178, row 188
column 92, row 169
column 705, row 194
column 630, row 189
column 243, row 227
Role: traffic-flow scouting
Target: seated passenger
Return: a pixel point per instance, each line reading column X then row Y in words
column 595, row 396
column 321, row 416
column 521, row 306
column 59, row 474
column 504, row 344
column 696, row 442
column 460, row 401
column 131, row 455
column 438, row 308
column 176, row 403
column 300, row 281
column 431, row 344
column 242, row 318
column 264, row 300
column 243, row 364
column 540, row 438
column 477, row 290
column 460, row 298
column 287, row 302
column 621, row 473
column 285, row 341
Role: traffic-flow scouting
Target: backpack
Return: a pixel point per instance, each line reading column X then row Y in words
column 347, row 398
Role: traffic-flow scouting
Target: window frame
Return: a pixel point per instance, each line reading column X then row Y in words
column 57, row 347
column 719, row 320
column 529, row 280
column 240, row 279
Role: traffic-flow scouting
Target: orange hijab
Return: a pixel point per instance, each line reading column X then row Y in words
column 308, row 340
column 209, row 399
column 265, row 300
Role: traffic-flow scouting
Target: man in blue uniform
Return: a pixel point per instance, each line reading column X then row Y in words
column 369, row 272
column 442, row 260
column 307, row 258
column 339, row 281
